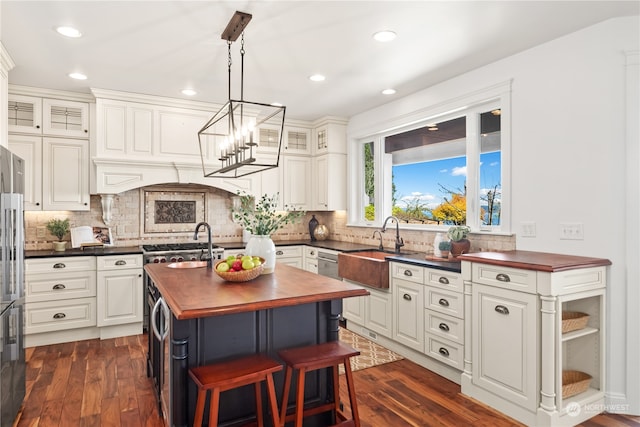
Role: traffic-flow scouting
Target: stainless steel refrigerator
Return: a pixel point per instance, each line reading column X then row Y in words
column 12, row 373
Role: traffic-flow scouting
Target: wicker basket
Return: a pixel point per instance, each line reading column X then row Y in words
column 240, row 276
column 574, row 382
column 573, row 320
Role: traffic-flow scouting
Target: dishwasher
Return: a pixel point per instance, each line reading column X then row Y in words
column 328, row 265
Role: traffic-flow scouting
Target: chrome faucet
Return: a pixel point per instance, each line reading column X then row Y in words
column 209, row 243
column 380, row 247
column 399, row 240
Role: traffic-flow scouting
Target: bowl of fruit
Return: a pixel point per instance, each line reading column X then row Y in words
column 240, row 268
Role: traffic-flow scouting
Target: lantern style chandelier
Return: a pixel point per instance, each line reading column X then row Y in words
column 229, row 141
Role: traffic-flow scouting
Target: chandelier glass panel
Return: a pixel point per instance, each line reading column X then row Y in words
column 229, row 141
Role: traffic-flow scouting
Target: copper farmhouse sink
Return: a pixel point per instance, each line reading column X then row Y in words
column 188, row 264
column 367, row 267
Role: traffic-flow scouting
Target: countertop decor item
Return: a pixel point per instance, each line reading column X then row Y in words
column 459, row 242
column 59, row 228
column 321, row 232
column 444, row 247
column 239, row 276
column 313, row 223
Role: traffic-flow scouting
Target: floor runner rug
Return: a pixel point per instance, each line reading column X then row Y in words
column 371, row 354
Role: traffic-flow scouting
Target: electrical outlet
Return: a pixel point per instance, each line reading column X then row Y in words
column 571, row 231
column 528, row 229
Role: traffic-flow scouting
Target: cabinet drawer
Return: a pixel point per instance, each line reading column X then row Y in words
column 60, row 315
column 444, row 301
column 444, row 326
column 310, row 253
column 48, row 287
column 444, row 350
column 444, row 279
column 407, row 272
column 118, row 262
column 504, row 277
column 60, row 264
column 288, row 251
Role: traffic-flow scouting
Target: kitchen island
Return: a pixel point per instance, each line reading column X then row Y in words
column 210, row 320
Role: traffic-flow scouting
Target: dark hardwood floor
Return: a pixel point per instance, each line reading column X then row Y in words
column 104, row 383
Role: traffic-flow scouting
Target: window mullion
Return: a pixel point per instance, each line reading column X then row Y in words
column 473, row 171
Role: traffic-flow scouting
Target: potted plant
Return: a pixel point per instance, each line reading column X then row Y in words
column 459, row 242
column 262, row 219
column 59, row 228
column 445, row 247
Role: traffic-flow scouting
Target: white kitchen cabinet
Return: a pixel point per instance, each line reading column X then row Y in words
column 29, row 148
column 47, row 116
column 379, row 311
column 60, row 295
column 408, row 312
column 124, row 128
column 330, row 136
column 297, row 140
column 119, row 290
column 515, row 351
column 296, row 182
column 329, row 181
column 65, row 168
column 353, row 309
column 290, row 255
column 311, row 259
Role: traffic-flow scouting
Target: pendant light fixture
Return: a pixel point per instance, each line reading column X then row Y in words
column 229, row 141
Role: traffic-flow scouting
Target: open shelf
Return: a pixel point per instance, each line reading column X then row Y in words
column 579, row 333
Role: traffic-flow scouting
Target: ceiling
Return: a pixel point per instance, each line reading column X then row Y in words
column 162, row 47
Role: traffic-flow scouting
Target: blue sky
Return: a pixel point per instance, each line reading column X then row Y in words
column 421, row 180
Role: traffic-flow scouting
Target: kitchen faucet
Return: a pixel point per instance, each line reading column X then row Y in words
column 399, row 240
column 380, row 247
column 209, row 244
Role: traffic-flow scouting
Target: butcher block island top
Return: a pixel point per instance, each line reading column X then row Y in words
column 537, row 261
column 199, row 292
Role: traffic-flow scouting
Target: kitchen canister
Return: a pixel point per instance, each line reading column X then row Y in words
column 436, row 244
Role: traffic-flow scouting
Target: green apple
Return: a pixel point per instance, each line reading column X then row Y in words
column 247, row 264
column 223, row 267
column 245, row 258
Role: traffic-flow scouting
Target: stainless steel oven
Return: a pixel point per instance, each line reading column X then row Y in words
column 328, row 264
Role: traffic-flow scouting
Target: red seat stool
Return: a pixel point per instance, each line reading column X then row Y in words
column 311, row 358
column 222, row 376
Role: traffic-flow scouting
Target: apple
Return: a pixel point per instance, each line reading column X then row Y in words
column 237, row 265
column 247, row 264
column 223, row 267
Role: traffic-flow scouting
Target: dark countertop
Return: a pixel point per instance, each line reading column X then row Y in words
column 537, row 261
column 200, row 292
column 101, row 251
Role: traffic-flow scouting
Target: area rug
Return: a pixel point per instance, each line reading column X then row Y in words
column 371, row 354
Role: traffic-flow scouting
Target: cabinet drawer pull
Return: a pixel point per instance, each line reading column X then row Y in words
column 443, row 280
column 444, row 327
column 502, row 309
column 443, row 302
column 503, row 277
column 279, row 253
column 407, row 297
column 59, row 316
column 59, row 265
column 408, row 273
column 59, row 286
column 121, row 262
column 443, row 351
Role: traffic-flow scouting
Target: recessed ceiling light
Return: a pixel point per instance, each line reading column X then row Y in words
column 188, row 92
column 69, row 32
column 317, row 78
column 388, row 91
column 78, row 76
column 384, row 36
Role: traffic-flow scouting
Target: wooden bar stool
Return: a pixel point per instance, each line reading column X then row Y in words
column 311, row 358
column 222, row 376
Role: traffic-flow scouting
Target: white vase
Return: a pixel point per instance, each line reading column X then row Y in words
column 264, row 247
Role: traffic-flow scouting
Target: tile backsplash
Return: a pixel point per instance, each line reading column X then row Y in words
column 130, row 207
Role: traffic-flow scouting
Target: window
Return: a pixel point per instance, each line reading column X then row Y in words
column 442, row 170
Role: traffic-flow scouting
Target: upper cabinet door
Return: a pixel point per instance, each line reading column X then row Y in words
column 297, row 141
column 65, row 118
column 65, row 171
column 25, row 114
column 29, row 149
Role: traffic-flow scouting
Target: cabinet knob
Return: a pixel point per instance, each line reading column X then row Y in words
column 444, row 327
column 502, row 309
column 37, row 203
column 443, row 302
column 59, row 286
column 59, row 316
column 37, row 126
column 443, row 280
column 59, row 265
column 443, row 351
column 407, row 297
column 121, row 262
column 86, row 131
column 139, row 275
column 408, row 273
column 85, row 203
column 503, row 277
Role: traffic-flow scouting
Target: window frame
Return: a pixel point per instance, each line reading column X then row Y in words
column 471, row 106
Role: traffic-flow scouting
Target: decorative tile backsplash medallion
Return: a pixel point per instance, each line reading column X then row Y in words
column 173, row 211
